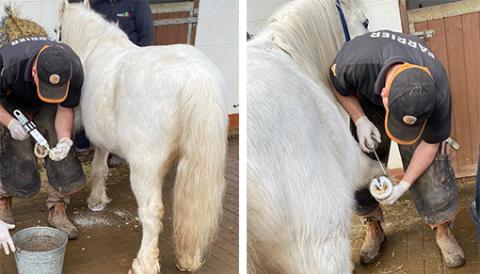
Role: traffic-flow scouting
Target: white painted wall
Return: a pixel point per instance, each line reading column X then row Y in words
column 217, row 36
column 258, row 12
column 383, row 14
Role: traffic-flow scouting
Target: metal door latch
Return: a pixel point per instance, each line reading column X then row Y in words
column 425, row 34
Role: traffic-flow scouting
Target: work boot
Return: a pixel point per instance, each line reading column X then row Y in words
column 452, row 252
column 58, row 219
column 6, row 214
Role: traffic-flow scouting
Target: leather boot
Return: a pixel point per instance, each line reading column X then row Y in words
column 57, row 218
column 374, row 237
column 6, row 213
column 452, row 252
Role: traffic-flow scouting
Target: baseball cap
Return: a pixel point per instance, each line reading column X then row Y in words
column 411, row 99
column 54, row 70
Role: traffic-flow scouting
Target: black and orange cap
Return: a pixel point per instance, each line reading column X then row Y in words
column 411, row 99
column 54, row 70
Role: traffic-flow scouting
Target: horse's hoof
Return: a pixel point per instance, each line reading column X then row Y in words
column 182, row 269
column 98, row 207
column 189, row 268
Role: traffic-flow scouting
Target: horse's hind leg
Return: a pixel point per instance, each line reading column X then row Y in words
column 99, row 171
column 146, row 179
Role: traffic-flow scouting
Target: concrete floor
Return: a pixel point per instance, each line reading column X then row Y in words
column 109, row 240
column 411, row 246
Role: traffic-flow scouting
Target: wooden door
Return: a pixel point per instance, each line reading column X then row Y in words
column 174, row 23
column 453, row 33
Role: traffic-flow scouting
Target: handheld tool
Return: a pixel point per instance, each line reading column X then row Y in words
column 381, row 187
column 41, row 148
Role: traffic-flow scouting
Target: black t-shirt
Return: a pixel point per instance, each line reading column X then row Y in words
column 362, row 63
column 16, row 80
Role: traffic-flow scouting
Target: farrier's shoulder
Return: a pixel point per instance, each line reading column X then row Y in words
column 22, row 49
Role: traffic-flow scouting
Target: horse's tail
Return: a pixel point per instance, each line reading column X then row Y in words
column 200, row 178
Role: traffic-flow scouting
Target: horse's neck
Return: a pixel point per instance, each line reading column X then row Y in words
column 93, row 36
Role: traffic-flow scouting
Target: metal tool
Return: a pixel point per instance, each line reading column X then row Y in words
column 42, row 150
column 379, row 162
column 381, row 187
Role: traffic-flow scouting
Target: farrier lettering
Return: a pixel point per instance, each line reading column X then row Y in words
column 413, row 44
column 422, row 48
column 21, row 40
column 402, row 40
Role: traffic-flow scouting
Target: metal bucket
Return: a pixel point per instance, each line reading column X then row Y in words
column 40, row 250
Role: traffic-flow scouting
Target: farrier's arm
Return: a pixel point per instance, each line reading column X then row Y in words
column 5, row 117
column 64, row 122
column 351, row 105
column 422, row 158
column 63, row 127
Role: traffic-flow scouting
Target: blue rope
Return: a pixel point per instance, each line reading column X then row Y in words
column 344, row 22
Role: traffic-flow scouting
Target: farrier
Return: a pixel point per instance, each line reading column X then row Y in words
column 394, row 88
column 43, row 79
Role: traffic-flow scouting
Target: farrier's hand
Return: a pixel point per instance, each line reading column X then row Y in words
column 16, row 130
column 398, row 191
column 368, row 134
column 6, row 241
column 60, row 151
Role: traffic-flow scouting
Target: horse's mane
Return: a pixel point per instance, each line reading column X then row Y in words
column 83, row 28
column 309, row 31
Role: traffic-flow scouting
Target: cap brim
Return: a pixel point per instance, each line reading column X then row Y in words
column 401, row 133
column 52, row 94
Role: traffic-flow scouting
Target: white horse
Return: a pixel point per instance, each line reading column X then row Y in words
column 303, row 163
column 149, row 105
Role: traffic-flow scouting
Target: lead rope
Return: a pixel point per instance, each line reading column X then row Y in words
column 346, row 33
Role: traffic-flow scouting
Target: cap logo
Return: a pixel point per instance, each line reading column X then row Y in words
column 334, row 70
column 416, row 89
column 409, row 120
column 54, row 79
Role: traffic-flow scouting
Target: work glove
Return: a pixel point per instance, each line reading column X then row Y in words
column 6, row 241
column 60, row 151
column 398, row 191
column 368, row 134
column 16, row 130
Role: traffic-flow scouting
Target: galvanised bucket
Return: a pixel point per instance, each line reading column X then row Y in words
column 40, row 250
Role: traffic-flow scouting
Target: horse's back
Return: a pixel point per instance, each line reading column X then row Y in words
column 142, row 87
